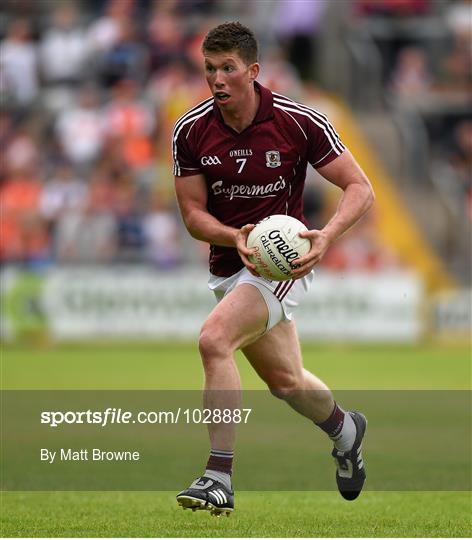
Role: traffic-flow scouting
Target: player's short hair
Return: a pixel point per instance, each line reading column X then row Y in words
column 232, row 36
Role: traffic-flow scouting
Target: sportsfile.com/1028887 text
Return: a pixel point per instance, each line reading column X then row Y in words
column 114, row 416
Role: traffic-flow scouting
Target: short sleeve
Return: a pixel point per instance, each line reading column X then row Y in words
column 185, row 163
column 324, row 144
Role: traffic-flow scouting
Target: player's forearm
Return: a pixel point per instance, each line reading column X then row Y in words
column 205, row 227
column 356, row 200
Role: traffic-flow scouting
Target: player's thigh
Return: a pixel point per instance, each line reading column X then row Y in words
column 238, row 319
column 276, row 356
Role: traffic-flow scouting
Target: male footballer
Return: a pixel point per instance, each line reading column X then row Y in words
column 239, row 157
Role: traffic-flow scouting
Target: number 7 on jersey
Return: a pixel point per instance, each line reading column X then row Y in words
column 242, row 161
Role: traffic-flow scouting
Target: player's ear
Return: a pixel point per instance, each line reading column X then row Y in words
column 254, row 71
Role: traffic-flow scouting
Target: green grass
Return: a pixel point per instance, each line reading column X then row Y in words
column 178, row 367
column 286, row 514
column 258, row 514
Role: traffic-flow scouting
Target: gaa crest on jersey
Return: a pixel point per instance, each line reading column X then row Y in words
column 210, row 160
column 273, row 159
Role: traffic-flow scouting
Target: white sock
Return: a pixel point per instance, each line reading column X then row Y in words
column 218, row 476
column 344, row 441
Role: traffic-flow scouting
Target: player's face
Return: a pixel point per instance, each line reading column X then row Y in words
column 229, row 78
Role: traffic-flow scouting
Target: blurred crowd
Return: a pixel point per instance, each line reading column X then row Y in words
column 90, row 91
column 426, row 52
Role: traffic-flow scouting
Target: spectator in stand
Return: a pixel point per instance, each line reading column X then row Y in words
column 411, row 78
column 19, row 84
column 21, row 151
column 104, row 33
column 172, row 81
column 63, row 58
column 162, row 233
column 280, row 75
column 166, row 40
column 127, row 59
column 88, row 234
column 62, row 193
column 129, row 123
column 297, row 25
column 63, row 48
column 23, row 234
column 6, row 137
column 173, row 91
column 456, row 69
column 80, row 129
column 459, row 17
column 130, row 236
column 126, row 113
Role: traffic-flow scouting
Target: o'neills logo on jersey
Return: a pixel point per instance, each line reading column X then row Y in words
column 241, row 152
column 245, row 191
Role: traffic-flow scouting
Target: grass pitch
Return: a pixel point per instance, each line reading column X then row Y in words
column 177, row 367
column 258, row 514
column 270, row 514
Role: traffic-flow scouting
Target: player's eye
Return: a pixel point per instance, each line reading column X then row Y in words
column 229, row 69
column 209, row 68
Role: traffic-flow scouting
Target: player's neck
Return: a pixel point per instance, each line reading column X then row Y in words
column 240, row 119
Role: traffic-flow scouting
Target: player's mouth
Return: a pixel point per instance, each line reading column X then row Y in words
column 221, row 97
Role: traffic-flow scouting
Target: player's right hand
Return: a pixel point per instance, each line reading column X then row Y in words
column 243, row 250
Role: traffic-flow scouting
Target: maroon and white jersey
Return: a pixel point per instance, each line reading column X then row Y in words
column 258, row 172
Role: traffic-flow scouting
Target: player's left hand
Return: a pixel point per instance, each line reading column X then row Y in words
column 319, row 245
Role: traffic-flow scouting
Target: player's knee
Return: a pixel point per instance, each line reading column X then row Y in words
column 284, row 385
column 212, row 344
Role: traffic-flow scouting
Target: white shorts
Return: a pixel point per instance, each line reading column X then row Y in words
column 281, row 297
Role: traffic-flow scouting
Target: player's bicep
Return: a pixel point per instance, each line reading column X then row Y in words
column 191, row 192
column 344, row 171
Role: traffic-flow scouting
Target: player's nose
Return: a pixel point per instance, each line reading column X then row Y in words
column 219, row 81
